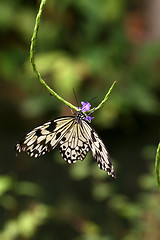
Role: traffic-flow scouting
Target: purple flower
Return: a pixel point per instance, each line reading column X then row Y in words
column 88, row 118
column 86, row 107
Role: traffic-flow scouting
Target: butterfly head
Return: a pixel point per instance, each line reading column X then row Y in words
column 85, row 108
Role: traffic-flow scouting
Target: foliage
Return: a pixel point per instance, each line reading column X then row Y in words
column 84, row 45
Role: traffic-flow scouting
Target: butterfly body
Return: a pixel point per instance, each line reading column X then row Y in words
column 74, row 136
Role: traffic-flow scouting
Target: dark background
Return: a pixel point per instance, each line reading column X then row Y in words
column 85, row 45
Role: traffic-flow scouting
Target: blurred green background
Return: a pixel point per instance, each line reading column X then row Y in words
column 85, row 45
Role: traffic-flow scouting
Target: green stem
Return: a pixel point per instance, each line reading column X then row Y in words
column 32, row 59
column 32, row 53
column 104, row 100
column 157, row 163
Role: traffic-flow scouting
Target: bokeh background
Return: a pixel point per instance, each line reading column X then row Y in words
column 85, row 45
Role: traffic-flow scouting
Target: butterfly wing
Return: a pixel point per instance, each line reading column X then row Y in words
column 46, row 137
column 76, row 138
column 98, row 149
column 74, row 145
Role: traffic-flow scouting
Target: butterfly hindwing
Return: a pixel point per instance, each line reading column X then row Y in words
column 98, row 149
column 74, row 145
column 75, row 138
column 46, row 137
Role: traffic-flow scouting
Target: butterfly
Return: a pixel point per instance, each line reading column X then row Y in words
column 75, row 138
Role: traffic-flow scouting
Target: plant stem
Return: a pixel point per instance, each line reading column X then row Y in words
column 157, row 163
column 104, row 100
column 32, row 55
column 32, row 59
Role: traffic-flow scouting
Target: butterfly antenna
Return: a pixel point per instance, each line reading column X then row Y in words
column 92, row 99
column 93, row 108
column 78, row 103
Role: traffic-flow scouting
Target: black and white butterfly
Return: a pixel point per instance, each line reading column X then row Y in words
column 74, row 136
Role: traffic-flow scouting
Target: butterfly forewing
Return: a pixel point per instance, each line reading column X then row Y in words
column 44, row 138
column 74, row 145
column 98, row 149
column 75, row 138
